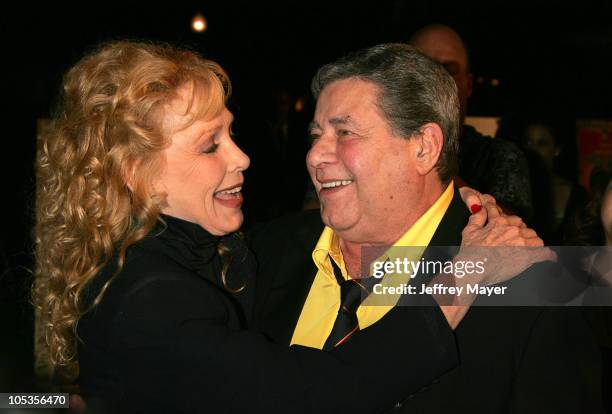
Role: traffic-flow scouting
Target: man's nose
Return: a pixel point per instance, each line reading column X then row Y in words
column 322, row 151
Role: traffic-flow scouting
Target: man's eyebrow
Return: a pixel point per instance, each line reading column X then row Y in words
column 340, row 120
column 313, row 125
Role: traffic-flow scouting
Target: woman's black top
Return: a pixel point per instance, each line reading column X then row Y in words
column 168, row 337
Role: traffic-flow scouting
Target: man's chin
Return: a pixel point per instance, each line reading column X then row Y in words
column 337, row 220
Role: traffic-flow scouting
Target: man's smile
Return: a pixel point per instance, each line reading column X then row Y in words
column 337, row 183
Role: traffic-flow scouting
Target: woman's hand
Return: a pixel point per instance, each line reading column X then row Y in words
column 472, row 198
column 491, row 227
column 508, row 244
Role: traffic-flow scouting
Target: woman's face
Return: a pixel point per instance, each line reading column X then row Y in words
column 540, row 139
column 203, row 169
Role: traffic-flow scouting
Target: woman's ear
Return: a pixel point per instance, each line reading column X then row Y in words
column 430, row 141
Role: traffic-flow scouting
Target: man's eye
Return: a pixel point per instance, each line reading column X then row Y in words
column 210, row 149
column 343, row 132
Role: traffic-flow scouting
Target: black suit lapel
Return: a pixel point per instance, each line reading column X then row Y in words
column 447, row 235
column 449, row 230
column 286, row 274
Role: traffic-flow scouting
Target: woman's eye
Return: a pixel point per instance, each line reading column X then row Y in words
column 210, row 149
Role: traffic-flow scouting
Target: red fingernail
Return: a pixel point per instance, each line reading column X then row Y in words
column 475, row 208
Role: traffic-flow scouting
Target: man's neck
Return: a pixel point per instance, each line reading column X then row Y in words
column 351, row 248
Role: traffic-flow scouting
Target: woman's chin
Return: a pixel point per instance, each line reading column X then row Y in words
column 228, row 224
column 238, row 223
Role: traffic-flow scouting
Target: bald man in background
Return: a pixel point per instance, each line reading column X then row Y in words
column 492, row 166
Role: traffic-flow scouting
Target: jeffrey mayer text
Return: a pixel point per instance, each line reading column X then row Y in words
column 439, row 289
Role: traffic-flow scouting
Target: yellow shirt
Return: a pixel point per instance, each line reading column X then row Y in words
column 321, row 307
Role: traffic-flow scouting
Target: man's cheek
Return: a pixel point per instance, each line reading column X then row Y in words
column 353, row 161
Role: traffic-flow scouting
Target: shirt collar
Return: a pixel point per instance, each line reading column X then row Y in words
column 419, row 234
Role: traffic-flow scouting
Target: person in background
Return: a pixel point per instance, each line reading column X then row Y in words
column 557, row 200
column 606, row 214
column 492, row 166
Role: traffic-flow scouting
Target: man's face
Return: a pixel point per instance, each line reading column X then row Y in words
column 446, row 48
column 362, row 172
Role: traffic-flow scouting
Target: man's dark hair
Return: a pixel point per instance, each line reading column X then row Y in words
column 413, row 90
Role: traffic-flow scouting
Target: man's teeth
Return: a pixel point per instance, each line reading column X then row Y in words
column 232, row 191
column 333, row 184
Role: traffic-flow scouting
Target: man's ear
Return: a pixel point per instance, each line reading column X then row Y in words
column 429, row 147
column 470, row 84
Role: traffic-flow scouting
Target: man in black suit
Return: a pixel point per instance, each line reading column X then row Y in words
column 383, row 159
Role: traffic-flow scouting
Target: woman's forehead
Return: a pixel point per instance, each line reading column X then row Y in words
column 192, row 102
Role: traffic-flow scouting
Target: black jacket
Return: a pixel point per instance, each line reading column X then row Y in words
column 167, row 337
column 496, row 167
column 518, row 360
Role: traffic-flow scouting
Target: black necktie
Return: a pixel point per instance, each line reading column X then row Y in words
column 352, row 292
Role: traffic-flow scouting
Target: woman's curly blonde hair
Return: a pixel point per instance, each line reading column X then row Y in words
column 94, row 171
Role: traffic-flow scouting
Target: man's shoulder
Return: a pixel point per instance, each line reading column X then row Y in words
column 507, row 150
column 498, row 167
column 301, row 229
column 283, row 249
column 495, row 146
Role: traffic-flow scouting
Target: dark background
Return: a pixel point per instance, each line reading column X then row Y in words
column 547, row 57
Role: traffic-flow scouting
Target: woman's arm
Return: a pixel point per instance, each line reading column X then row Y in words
column 179, row 354
column 489, row 227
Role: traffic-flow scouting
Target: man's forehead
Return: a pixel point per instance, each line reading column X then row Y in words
column 447, row 53
column 442, row 46
column 341, row 98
